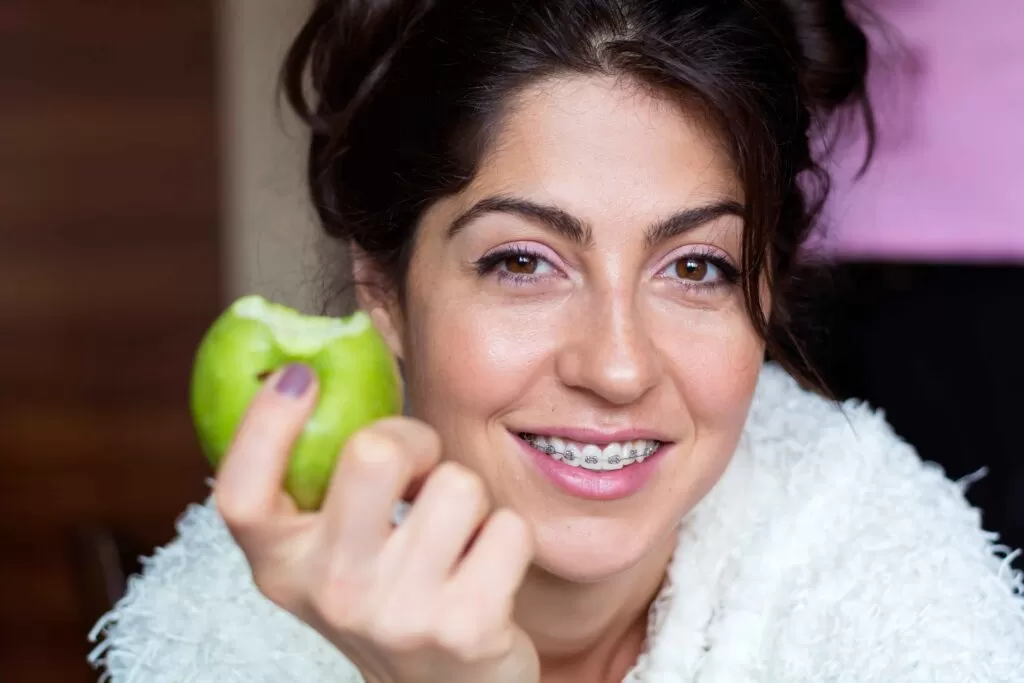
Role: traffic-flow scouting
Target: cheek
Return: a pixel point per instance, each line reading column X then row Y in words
column 472, row 359
column 714, row 362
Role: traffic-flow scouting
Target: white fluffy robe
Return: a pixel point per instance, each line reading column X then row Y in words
column 827, row 552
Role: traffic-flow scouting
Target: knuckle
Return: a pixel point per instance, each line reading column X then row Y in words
column 240, row 513
column 338, row 600
column 411, row 426
column 400, row 636
column 375, row 445
column 465, row 639
column 336, row 611
column 273, row 589
column 427, row 437
column 460, row 480
column 414, row 433
column 457, row 640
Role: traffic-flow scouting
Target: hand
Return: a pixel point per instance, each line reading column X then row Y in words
column 427, row 602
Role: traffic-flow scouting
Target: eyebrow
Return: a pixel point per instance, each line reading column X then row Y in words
column 578, row 232
column 555, row 219
column 688, row 219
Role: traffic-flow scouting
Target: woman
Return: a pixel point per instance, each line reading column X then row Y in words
column 575, row 224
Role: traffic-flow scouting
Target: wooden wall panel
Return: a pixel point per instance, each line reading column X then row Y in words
column 109, row 274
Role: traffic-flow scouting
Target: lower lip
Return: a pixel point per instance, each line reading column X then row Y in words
column 594, row 484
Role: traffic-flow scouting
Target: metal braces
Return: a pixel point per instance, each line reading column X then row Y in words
column 591, row 460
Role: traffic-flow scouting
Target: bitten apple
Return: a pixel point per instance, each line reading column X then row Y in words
column 357, row 376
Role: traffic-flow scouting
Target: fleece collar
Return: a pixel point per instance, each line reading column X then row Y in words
column 827, row 552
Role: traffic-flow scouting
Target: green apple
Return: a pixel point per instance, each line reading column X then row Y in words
column 357, row 375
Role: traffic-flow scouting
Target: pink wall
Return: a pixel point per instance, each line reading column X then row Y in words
column 948, row 178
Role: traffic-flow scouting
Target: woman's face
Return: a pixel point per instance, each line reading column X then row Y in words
column 580, row 298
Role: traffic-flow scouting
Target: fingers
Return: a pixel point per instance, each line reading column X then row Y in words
column 355, row 561
column 249, row 481
column 377, row 466
column 445, row 516
column 490, row 575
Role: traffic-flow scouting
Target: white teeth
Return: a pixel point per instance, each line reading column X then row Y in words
column 613, row 456
column 573, row 454
column 559, row 446
column 636, row 451
column 592, row 458
column 543, row 443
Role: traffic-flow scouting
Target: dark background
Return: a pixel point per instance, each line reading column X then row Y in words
column 940, row 347
column 110, row 270
column 109, row 273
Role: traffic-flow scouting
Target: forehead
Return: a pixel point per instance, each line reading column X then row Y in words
column 604, row 149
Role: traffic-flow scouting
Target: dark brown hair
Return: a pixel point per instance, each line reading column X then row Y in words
column 402, row 97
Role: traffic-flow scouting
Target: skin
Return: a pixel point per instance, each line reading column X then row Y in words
column 600, row 337
column 497, row 576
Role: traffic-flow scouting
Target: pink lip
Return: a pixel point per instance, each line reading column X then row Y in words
column 583, row 483
column 598, row 437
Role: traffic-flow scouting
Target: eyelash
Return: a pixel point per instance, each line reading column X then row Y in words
column 730, row 274
column 489, row 263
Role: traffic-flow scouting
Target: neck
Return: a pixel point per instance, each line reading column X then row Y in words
column 590, row 631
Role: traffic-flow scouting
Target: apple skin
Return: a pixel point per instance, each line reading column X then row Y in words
column 357, row 376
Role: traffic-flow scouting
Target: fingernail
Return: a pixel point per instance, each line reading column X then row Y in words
column 294, row 381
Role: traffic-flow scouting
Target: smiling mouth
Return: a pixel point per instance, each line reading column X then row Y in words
column 612, row 456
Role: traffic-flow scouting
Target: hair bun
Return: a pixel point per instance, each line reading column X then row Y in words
column 347, row 46
column 835, row 52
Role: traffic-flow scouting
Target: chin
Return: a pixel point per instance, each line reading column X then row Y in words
column 592, row 550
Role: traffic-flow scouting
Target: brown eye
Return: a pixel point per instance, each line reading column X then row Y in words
column 692, row 269
column 521, row 264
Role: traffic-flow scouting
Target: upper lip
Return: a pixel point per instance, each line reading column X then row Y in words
column 597, row 436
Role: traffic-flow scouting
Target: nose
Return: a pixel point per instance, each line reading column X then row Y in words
column 608, row 352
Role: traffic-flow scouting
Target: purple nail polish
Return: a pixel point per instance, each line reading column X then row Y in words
column 294, row 381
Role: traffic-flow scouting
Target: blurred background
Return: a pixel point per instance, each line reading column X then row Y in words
column 148, row 177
